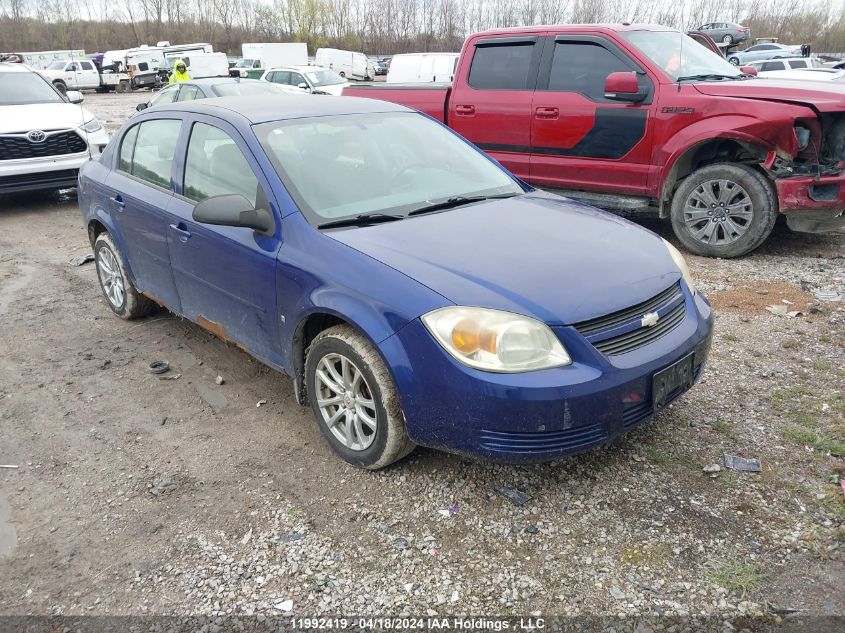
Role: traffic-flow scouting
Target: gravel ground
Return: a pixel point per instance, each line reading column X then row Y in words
column 141, row 496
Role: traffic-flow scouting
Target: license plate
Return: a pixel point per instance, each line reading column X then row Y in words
column 671, row 381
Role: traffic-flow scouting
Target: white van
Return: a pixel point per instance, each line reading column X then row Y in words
column 201, row 65
column 422, row 67
column 347, row 64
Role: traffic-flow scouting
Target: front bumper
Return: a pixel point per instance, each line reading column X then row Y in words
column 51, row 172
column 812, row 204
column 540, row 415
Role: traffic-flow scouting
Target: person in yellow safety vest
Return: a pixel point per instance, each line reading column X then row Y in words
column 180, row 72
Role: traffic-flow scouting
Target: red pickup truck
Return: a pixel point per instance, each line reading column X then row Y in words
column 644, row 118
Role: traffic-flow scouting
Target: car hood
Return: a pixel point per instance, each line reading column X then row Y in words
column 540, row 255
column 42, row 116
column 333, row 89
column 824, row 96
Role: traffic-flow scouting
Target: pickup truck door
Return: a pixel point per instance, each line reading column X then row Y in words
column 88, row 77
column 71, row 76
column 492, row 95
column 579, row 138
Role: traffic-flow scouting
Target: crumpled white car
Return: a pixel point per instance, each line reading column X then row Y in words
column 45, row 137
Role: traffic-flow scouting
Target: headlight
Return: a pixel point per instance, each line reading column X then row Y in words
column 681, row 263
column 493, row 340
column 92, row 126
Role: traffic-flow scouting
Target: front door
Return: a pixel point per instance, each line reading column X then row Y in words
column 491, row 102
column 225, row 275
column 580, row 139
column 140, row 192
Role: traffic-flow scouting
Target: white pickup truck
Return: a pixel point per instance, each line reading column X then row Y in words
column 82, row 74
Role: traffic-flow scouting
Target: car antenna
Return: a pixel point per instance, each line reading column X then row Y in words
column 680, row 59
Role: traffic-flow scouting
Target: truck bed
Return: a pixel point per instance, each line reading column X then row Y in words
column 430, row 98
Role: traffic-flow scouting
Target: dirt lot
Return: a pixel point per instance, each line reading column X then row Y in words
column 139, row 495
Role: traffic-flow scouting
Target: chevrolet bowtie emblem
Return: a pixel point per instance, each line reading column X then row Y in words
column 650, row 319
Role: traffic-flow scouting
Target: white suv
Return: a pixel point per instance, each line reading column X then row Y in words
column 45, row 137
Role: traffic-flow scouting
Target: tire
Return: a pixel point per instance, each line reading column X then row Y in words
column 60, row 86
column 724, row 210
column 338, row 347
column 728, row 39
column 734, row 60
column 130, row 304
column 342, row 74
column 123, row 87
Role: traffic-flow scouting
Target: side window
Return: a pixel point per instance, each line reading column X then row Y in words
column 127, row 148
column 86, row 66
column 72, row 68
column 215, row 166
column 188, row 93
column 271, row 77
column 296, row 79
column 143, row 66
column 154, row 150
column 767, row 66
column 168, row 95
column 502, row 66
column 583, row 67
column 798, row 63
column 282, row 77
column 256, row 64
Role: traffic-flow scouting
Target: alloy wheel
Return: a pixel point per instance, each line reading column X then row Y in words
column 110, row 277
column 718, row 212
column 345, row 401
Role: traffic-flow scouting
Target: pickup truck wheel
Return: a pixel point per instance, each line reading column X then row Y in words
column 60, row 86
column 120, row 293
column 724, row 210
column 354, row 399
column 123, row 86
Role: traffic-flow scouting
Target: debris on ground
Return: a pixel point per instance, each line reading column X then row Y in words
column 516, row 497
column 735, row 462
column 84, row 259
column 170, row 377
column 617, row 593
column 532, row 529
column 842, row 483
column 158, row 367
column 288, row 538
column 712, row 469
column 827, row 294
column 8, row 465
column 163, row 485
column 401, row 542
column 219, row 380
column 259, row 403
column 246, row 537
column 781, row 310
column 285, row 605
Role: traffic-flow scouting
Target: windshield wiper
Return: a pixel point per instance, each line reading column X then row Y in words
column 705, row 77
column 457, row 201
column 361, row 220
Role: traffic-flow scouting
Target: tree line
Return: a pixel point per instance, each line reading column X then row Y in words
column 381, row 26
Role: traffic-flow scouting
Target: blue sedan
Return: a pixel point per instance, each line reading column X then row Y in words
column 415, row 291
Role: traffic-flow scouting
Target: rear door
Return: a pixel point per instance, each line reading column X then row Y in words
column 580, row 139
column 140, row 192
column 492, row 97
column 225, row 275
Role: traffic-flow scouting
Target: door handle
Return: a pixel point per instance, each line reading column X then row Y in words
column 547, row 113
column 465, row 110
column 182, row 231
column 118, row 202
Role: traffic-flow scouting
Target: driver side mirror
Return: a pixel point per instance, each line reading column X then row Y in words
column 303, row 86
column 749, row 70
column 74, row 96
column 142, row 106
column 233, row 210
column 624, row 86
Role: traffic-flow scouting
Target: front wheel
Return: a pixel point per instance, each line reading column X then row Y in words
column 354, row 399
column 120, row 293
column 60, row 86
column 724, row 210
column 734, row 60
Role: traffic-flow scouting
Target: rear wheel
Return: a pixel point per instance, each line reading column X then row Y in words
column 724, row 210
column 123, row 86
column 354, row 399
column 342, row 74
column 734, row 60
column 120, row 293
column 728, row 39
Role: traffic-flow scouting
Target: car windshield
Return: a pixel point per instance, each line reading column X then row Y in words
column 57, row 65
column 26, row 88
column 680, row 56
column 324, row 78
column 344, row 166
column 244, row 63
column 246, row 88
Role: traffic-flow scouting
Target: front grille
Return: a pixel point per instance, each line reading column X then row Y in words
column 64, row 177
column 56, row 144
column 669, row 304
column 570, row 439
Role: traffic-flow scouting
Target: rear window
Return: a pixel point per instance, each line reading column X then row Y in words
column 502, row 66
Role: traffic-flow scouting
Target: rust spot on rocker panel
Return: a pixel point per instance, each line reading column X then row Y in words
column 219, row 332
column 154, row 299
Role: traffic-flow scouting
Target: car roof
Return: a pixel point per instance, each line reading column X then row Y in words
column 264, row 108
column 14, row 67
column 213, row 81
column 300, row 68
column 575, row 28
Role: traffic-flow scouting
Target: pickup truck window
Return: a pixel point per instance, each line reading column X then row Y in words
column 679, row 55
column 86, row 66
column 502, row 67
column 583, row 67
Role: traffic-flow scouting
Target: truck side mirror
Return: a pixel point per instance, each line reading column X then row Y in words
column 624, row 86
column 142, row 106
column 74, row 96
column 749, row 70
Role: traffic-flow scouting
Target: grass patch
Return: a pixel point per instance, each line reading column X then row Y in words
column 645, row 555
column 730, row 338
column 792, row 393
column 807, row 421
column 656, row 455
column 809, row 437
column 725, row 428
column 821, row 365
column 736, row 576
